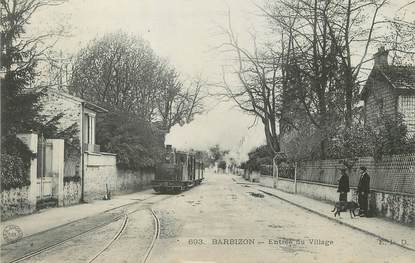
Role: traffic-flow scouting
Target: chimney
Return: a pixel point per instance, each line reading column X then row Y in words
column 381, row 57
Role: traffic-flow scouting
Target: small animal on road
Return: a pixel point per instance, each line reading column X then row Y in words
column 344, row 206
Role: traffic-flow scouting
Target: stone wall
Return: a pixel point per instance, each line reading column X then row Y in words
column 71, row 193
column 267, row 181
column 400, row 208
column 22, row 201
column 129, row 181
column 101, row 172
column 392, row 184
column 395, row 206
column 324, row 192
column 286, row 185
column 283, row 184
column 16, row 202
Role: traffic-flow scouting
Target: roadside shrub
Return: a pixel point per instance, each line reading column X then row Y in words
column 13, row 146
column 393, row 138
column 262, row 155
column 390, row 137
column 15, row 163
column 357, row 141
column 13, row 172
column 137, row 143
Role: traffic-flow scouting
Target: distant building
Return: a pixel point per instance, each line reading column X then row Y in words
column 389, row 90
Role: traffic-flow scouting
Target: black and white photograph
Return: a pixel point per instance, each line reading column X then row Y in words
column 207, row 131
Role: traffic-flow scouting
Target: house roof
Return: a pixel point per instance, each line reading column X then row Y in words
column 400, row 78
column 87, row 104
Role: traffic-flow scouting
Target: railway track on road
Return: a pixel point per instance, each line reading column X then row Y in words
column 155, row 237
column 57, row 244
column 117, row 235
column 123, row 215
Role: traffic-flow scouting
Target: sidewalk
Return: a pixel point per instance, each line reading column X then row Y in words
column 53, row 217
column 382, row 229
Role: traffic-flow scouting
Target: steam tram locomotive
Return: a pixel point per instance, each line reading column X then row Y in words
column 177, row 172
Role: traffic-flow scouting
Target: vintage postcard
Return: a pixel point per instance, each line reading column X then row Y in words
column 220, row 131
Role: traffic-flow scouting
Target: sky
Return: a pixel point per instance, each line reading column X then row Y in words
column 187, row 33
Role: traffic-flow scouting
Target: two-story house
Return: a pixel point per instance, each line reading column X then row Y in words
column 76, row 111
column 83, row 160
column 389, row 90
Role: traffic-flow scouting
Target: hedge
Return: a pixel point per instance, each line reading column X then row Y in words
column 13, row 173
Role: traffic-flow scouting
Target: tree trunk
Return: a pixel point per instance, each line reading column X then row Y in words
column 272, row 140
column 348, row 77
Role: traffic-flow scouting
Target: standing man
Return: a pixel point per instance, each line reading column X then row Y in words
column 363, row 189
column 343, row 187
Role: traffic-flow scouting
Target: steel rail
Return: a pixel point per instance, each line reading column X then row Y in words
column 155, row 236
column 61, row 242
column 117, row 235
column 47, row 248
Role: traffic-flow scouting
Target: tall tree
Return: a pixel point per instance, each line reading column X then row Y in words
column 20, row 55
column 320, row 74
column 118, row 72
column 20, row 101
column 122, row 73
column 177, row 104
column 400, row 37
column 352, row 25
column 259, row 74
column 308, row 79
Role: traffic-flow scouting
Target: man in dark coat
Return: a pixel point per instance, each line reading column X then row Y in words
column 363, row 189
column 343, row 187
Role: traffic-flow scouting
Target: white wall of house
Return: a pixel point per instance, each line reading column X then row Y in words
column 89, row 126
column 55, row 103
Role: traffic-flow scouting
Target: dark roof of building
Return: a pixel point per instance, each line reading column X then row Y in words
column 400, row 78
